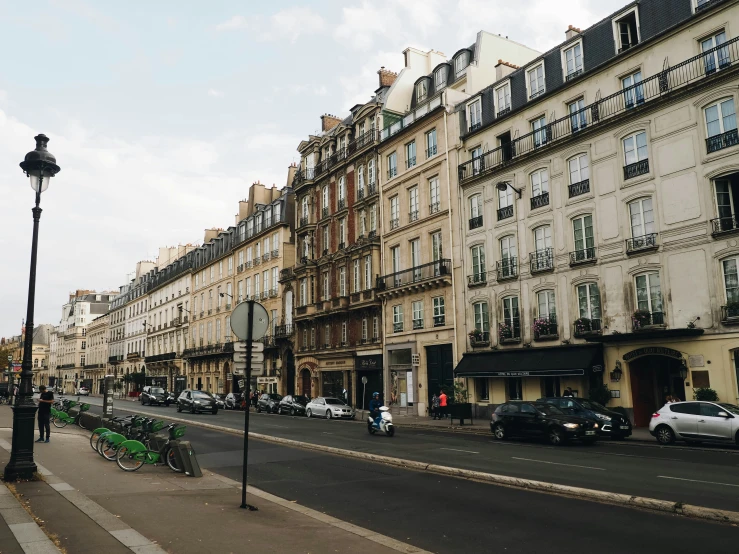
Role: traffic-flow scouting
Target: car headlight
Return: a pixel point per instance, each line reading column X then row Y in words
column 572, row 425
column 603, row 417
column 197, row 402
column 595, row 425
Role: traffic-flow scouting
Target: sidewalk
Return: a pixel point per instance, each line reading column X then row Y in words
column 89, row 505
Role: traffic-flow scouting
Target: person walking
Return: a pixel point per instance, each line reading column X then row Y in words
column 442, row 404
column 46, row 399
column 435, row 406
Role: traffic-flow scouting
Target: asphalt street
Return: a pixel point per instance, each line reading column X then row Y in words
column 700, row 476
column 437, row 513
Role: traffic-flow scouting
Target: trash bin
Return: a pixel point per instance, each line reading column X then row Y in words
column 186, row 458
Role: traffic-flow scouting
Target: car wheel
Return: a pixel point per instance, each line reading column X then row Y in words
column 499, row 432
column 556, row 436
column 292, row 412
column 309, row 413
column 329, row 415
column 664, row 435
column 259, row 409
column 179, row 408
column 215, row 411
column 192, row 409
column 736, row 438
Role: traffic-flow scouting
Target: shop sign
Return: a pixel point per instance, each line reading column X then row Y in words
column 267, row 380
column 368, row 363
column 331, row 365
column 652, row 351
column 538, row 373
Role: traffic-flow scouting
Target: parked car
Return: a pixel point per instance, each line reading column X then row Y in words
column 696, row 422
column 269, row 403
column 83, row 391
column 612, row 424
column 196, row 401
column 220, row 400
column 542, row 420
column 233, row 401
column 153, row 396
column 329, row 408
column 293, row 405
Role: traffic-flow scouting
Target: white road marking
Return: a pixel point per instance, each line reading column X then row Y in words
column 697, row 481
column 458, row 450
column 280, row 426
column 557, row 464
column 327, row 433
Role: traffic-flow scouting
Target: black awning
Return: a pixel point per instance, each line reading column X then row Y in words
column 532, row 362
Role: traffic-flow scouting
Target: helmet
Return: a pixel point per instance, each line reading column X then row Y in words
column 375, row 394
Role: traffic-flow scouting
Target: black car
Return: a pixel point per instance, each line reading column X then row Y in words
column 540, row 419
column 611, row 424
column 293, row 405
column 269, row 403
column 154, row 396
column 197, row 401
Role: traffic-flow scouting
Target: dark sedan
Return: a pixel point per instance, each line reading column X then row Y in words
column 197, row 401
column 293, row 405
column 269, row 403
column 612, row 424
column 541, row 420
column 153, row 396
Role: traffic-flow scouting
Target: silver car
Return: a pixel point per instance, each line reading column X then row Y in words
column 329, row 408
column 696, row 421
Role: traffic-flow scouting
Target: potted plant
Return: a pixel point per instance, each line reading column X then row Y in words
column 600, row 394
column 505, row 333
column 641, row 318
column 583, row 325
column 705, row 394
column 459, row 406
column 544, row 328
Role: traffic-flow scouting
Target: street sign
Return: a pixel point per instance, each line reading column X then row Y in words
column 256, row 358
column 240, row 320
column 240, row 346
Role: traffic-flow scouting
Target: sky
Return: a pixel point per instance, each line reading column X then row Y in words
column 162, row 113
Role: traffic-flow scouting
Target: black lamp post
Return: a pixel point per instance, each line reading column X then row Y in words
column 40, row 166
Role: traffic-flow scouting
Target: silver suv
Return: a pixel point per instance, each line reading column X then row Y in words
column 696, row 421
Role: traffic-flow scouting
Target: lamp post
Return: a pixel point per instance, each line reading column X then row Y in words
column 502, row 186
column 40, row 166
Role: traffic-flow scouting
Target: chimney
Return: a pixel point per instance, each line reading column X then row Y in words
column 503, row 69
column 328, row 122
column 291, row 171
column 387, row 78
column 571, row 32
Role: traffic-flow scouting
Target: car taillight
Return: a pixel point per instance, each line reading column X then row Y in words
column 655, row 414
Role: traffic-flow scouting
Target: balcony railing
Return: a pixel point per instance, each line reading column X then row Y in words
column 725, row 224
column 545, row 328
column 417, row 274
column 265, row 257
column 275, row 253
column 286, row 274
column 365, row 139
column 636, row 169
column 303, row 221
column 431, row 151
column 394, row 223
column 283, row 331
column 507, row 268
column 342, row 203
column 392, row 172
column 643, row 319
column 161, row 357
column 208, row 350
column 413, row 216
column 434, row 207
column 439, row 320
column 398, row 327
column 477, row 279
column 115, row 359
column 540, row 201
column 585, row 327
column 637, row 244
column 724, row 140
column 360, row 193
column 371, row 189
column 324, row 212
column 582, row 256
column 410, row 162
column 573, row 74
column 239, row 268
column 342, row 245
column 372, row 234
column 248, row 264
column 417, row 324
column 505, row 213
column 542, row 260
column 730, row 314
column 409, row 118
column 576, row 189
column 510, row 331
column 658, row 85
column 257, row 260
column 480, row 339
column 475, row 222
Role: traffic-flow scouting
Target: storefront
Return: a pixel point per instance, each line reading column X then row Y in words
column 367, row 368
column 336, row 378
column 268, row 384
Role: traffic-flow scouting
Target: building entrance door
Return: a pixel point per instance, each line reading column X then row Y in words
column 305, row 382
column 290, row 361
column 440, row 369
column 653, row 379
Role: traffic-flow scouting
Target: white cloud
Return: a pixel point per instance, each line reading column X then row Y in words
column 215, row 93
column 287, row 24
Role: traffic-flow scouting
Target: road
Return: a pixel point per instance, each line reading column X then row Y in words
column 700, row 476
column 437, row 513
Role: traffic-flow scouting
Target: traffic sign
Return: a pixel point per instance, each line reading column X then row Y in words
column 256, row 357
column 255, row 347
column 240, row 320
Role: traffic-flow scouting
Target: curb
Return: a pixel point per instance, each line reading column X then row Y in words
column 618, row 499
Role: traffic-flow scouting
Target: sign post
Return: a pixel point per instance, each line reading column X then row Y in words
column 364, row 391
column 249, row 321
column 108, row 398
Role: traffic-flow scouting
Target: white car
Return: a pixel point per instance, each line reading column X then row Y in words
column 696, row 422
column 83, row 391
column 329, row 408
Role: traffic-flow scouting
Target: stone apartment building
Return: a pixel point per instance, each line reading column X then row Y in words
column 96, row 362
column 598, row 184
column 417, row 154
column 117, row 334
column 136, row 307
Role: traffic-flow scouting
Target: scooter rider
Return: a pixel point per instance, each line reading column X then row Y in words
column 375, row 406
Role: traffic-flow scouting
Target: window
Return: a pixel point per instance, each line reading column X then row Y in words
column 392, row 165
column 342, row 281
column 257, row 287
column 535, row 79
column 584, row 241
column 511, row 326
column 398, row 318
column 325, row 239
column 421, row 91
column 731, row 283
column 219, row 298
column 715, row 58
column 540, row 182
column 363, row 223
column 417, row 310
column 373, row 218
column 434, row 195
column 342, row 232
column 439, row 311
column 275, row 244
column 356, row 285
column 248, row 287
column 539, row 126
column 303, row 292
column 505, row 198
column 360, row 182
column 543, row 238
column 276, row 212
column 313, row 337
column 326, row 288
column 478, row 264
column 265, row 281
column 436, row 247
column 413, row 204
column 210, row 332
column 342, row 192
column 431, row 143
column 327, row 334
column 461, row 62
column 515, row 390
column 474, row 111
column 304, row 208
column 240, row 291
column 395, row 258
column 218, row 330
column 365, row 325
column 410, row 154
column 197, row 280
column 626, row 30
column 440, row 78
column 545, row 301
column 344, row 333
column 503, row 99
column 573, row 61
column 633, row 90
column 721, row 125
column 578, row 117
column 367, row 272
column 375, row 327
column 635, row 155
column 416, row 258
column 649, row 296
column 324, row 200
column 480, row 315
column 475, row 211
column 642, row 217
column 727, row 196
column 371, row 172
column 588, row 302
column 394, row 212
column 579, row 169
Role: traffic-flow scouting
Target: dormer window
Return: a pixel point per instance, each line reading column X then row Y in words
column 461, row 62
column 440, row 78
column 421, row 91
column 573, row 61
column 626, row 30
column 535, row 81
column 474, row 110
column 503, row 99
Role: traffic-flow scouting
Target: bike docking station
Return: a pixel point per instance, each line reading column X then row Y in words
column 249, row 322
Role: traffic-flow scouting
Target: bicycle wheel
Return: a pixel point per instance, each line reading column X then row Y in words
column 94, row 441
column 171, row 460
column 60, row 423
column 128, row 461
column 107, row 449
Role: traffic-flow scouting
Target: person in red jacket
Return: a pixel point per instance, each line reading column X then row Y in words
column 442, row 404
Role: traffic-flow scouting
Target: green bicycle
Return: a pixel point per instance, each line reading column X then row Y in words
column 133, row 454
column 62, row 419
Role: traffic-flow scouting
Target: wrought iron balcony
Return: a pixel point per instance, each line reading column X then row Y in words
column 542, row 260
column 643, row 320
column 342, row 203
column 275, row 253
column 545, row 328
column 417, row 274
column 636, row 169
column 417, row 324
column 439, row 320
column 639, row 244
column 479, row 339
column 540, row 200
column 394, row 223
column 303, row 221
column 431, row 151
column 477, row 279
column 371, row 189
column 410, row 162
column 360, row 193
column 257, row 260
column 574, row 74
column 475, row 222
column 576, row 189
column 725, row 225
column 209, row 350
column 324, row 212
column 372, row 234
column 115, row 359
column 584, row 327
column 434, row 207
column 265, row 257
column 724, row 140
column 160, row 357
column 510, row 331
column 398, row 327
column 507, row 268
column 286, row 274
column 248, row 264
column 392, row 172
column 283, row 331
column 413, row 216
column 505, row 213
column 582, row 256
column 730, row 314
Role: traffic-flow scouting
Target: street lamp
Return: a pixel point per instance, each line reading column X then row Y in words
column 502, row 186
column 40, row 166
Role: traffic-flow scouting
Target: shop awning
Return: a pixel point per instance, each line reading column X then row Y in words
column 532, row 362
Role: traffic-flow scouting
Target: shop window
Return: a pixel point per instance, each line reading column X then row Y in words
column 515, row 388
column 483, row 393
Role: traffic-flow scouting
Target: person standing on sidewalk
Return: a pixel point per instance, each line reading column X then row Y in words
column 442, row 404
column 46, row 399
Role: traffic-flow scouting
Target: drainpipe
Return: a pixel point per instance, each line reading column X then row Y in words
column 451, row 233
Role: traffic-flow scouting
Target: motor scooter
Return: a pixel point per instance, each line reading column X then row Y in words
column 383, row 424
